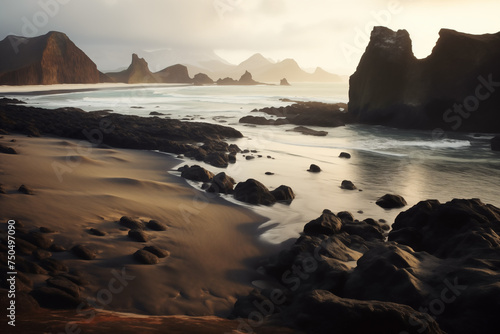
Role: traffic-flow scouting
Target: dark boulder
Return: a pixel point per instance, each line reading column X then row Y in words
column 217, row 159
column 161, row 253
column 37, row 238
column 390, row 201
column 64, row 284
column 41, row 254
column 84, row 252
column 345, row 155
column 23, row 189
column 44, row 229
column 314, row 168
column 328, row 223
column 7, row 150
column 197, row 173
column 253, row 192
column 138, row 235
column 156, row 225
column 96, row 232
column 283, row 194
column 54, row 266
column 348, row 185
column 308, row 132
column 146, row 257
column 222, row 183
column 54, row 298
column 495, row 143
column 319, row 311
column 131, row 223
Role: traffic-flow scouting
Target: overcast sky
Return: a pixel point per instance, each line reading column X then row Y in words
column 328, row 33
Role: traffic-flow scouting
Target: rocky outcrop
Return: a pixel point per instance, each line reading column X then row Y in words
column 174, row 74
column 303, row 113
column 122, row 131
column 196, row 173
column 455, row 88
column 245, row 80
column 202, row 79
column 137, row 72
column 45, row 60
column 308, row 132
column 437, row 273
column 284, row 82
column 222, row 183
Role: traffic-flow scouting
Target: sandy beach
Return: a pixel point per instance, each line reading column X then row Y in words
column 213, row 244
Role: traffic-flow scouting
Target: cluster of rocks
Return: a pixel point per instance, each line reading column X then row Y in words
column 304, row 114
column 250, row 191
column 64, row 287
column 438, row 272
column 124, row 131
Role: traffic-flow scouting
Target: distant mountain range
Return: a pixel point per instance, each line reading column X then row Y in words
column 54, row 59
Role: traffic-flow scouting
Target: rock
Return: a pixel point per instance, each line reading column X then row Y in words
column 345, row 155
column 392, row 87
column 319, row 311
column 54, row 298
column 146, row 257
column 217, row 159
column 57, row 248
column 41, row 254
column 46, row 230
column 173, row 74
column 7, row 150
column 249, row 157
column 495, row 143
column 314, row 168
column 2, row 189
column 156, row 225
column 253, row 192
column 202, row 79
column 138, row 235
column 284, row 82
column 156, row 113
column 269, row 173
column 283, row 194
column 346, row 217
column 348, row 185
column 44, row 60
column 197, row 173
column 308, row 132
column 231, row 158
column 364, row 229
column 161, row 253
column 38, row 239
column 28, row 267
column 328, row 224
column 389, row 201
column 84, row 252
column 131, row 223
column 246, row 79
column 137, row 72
column 97, row 232
column 455, row 228
column 64, row 284
column 25, row 190
column 222, row 183
column 259, row 120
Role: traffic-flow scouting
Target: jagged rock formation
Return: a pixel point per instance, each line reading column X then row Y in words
column 455, row 88
column 245, row 79
column 44, row 60
column 202, row 79
column 137, row 72
column 284, row 82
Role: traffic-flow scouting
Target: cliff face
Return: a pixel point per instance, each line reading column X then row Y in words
column 455, row 88
column 137, row 72
column 49, row 59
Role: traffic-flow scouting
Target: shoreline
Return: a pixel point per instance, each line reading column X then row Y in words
column 200, row 277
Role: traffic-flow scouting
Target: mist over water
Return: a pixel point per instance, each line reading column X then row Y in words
column 384, row 160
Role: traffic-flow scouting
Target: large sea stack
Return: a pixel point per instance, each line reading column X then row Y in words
column 44, row 60
column 137, row 72
column 455, row 88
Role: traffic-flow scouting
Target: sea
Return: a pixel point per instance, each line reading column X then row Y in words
column 411, row 163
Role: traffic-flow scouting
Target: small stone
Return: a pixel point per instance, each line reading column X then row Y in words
column 25, row 190
column 138, row 235
column 314, row 168
column 146, row 257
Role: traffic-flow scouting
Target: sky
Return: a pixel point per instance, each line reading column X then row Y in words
column 330, row 34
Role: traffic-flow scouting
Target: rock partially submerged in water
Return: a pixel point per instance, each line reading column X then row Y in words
column 438, row 272
column 253, row 192
column 222, row 183
column 314, row 168
column 390, row 201
column 348, row 185
column 196, row 173
column 308, row 132
column 283, row 194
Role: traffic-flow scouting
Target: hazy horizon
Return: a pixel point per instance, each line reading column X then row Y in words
column 327, row 34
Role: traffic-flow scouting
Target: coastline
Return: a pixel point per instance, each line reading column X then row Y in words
column 200, row 277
